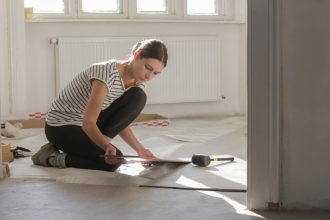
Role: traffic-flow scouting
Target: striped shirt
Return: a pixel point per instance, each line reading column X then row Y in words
column 69, row 106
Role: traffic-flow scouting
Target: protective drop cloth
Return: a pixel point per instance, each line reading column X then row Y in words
column 180, row 140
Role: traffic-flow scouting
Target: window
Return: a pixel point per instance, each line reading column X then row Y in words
column 101, row 6
column 43, row 7
column 134, row 9
column 50, row 8
column 160, row 9
column 152, row 7
column 205, row 7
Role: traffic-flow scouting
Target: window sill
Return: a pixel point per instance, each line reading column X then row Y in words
column 70, row 20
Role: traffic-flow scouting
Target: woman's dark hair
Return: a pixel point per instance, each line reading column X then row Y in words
column 152, row 48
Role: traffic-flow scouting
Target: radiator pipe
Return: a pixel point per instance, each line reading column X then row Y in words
column 53, row 41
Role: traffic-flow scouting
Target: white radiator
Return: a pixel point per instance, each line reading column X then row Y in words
column 192, row 73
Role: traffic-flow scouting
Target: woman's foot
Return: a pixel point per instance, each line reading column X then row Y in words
column 41, row 157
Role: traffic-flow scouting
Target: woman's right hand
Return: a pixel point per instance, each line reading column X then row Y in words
column 110, row 155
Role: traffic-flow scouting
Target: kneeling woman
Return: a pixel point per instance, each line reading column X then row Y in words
column 103, row 100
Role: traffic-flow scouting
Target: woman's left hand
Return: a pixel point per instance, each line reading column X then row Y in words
column 146, row 154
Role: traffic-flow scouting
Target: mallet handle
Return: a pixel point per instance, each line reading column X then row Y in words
column 222, row 159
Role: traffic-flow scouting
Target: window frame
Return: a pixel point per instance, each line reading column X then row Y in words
column 177, row 10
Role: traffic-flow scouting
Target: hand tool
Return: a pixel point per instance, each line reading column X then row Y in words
column 204, row 160
column 200, row 160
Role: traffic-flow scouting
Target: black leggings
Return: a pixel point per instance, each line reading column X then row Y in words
column 81, row 151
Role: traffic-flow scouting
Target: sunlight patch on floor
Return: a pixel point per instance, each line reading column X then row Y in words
column 240, row 208
column 235, row 171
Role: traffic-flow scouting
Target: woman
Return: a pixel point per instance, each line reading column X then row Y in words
column 101, row 101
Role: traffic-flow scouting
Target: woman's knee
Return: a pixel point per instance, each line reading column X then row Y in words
column 137, row 95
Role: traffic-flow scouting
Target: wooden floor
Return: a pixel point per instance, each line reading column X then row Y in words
column 47, row 193
column 50, row 200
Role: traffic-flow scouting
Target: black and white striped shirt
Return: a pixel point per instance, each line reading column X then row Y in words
column 69, row 106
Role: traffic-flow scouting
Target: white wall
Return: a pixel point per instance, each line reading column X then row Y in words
column 13, row 90
column 4, row 63
column 306, row 103
column 40, row 60
column 3, row 57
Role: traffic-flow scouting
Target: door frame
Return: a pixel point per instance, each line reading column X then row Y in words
column 264, row 104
